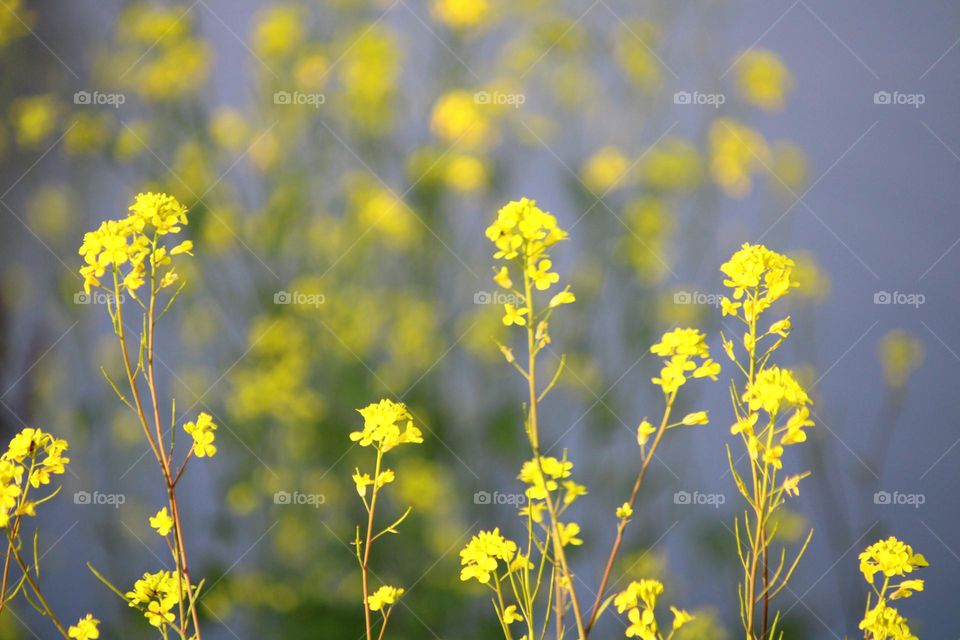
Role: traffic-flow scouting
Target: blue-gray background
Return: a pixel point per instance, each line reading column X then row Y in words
column 879, row 213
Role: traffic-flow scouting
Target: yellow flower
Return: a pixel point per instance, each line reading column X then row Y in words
column 278, row 31
column 900, row 355
column 202, row 432
column 383, row 597
column 459, row 119
column 774, row 388
column 162, row 522
column 382, row 423
column 644, row 431
column 155, row 594
column 564, row 297
column 503, row 278
column 624, row 511
column 568, row 534
column 480, row 557
column 85, row 629
column 604, row 170
column 513, row 315
column 763, row 79
column 681, row 347
column 890, row 557
column 461, row 14
column 758, row 276
column 680, row 617
column 698, row 417
column 736, row 153
column 510, row 615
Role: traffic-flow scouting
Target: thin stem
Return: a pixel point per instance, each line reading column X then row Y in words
column 622, row 525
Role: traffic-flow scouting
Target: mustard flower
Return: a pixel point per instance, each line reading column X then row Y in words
column 682, row 348
column 162, row 522
column 775, row 388
column 891, row 557
column 87, row 628
column 202, row 432
column 510, row 615
column 156, row 594
column 384, row 597
column 759, row 277
column 479, row 558
column 512, row 315
column 763, row 79
column 382, row 423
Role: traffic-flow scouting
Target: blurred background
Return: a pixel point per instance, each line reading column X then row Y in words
column 340, row 161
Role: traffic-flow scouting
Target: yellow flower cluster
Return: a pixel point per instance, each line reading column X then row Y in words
column 37, row 454
column 134, row 242
column 384, row 597
column 893, row 559
column 639, row 600
column 772, row 390
column 736, row 153
column 202, row 432
column 166, row 62
column 382, row 426
column 759, row 277
column 156, row 594
column 87, row 628
column 681, row 348
column 522, row 234
column 543, row 475
column 479, row 559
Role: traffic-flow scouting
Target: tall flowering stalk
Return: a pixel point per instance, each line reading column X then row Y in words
column 771, row 411
column 132, row 260
column 892, row 559
column 519, row 575
column 386, row 425
column 32, row 460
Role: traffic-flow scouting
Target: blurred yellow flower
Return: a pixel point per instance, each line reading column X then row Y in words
column 605, row 170
column 465, row 173
column 763, row 79
column 34, row 119
column 461, row 14
column 736, row 152
column 459, row 119
column 278, row 31
column 900, row 355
